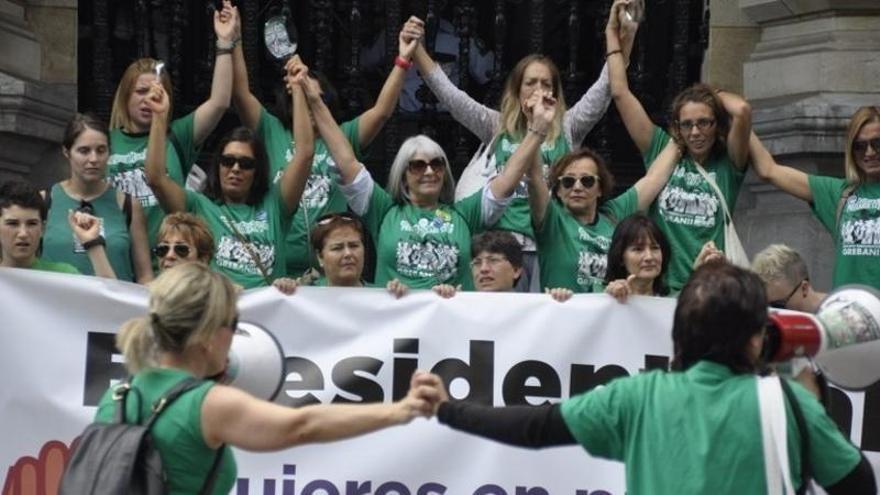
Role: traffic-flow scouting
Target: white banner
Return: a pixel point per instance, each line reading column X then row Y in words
column 57, row 358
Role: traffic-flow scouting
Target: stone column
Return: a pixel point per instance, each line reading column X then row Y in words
column 37, row 87
column 815, row 63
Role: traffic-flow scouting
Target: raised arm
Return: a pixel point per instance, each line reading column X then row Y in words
column 87, row 229
column 170, row 195
column 636, row 120
column 372, row 121
column 740, row 127
column 140, row 245
column 209, row 113
column 540, row 110
column 340, row 148
column 236, row 418
column 790, row 180
column 246, row 104
column 293, row 182
column 649, row 186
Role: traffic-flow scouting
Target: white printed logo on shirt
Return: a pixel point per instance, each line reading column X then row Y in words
column 134, row 182
column 680, row 202
column 591, row 268
column 427, row 259
column 860, row 227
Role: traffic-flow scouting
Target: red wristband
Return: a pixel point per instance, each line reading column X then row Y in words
column 402, row 62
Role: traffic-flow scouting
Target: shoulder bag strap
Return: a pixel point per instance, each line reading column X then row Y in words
column 250, row 249
column 712, row 183
column 771, row 404
column 798, row 413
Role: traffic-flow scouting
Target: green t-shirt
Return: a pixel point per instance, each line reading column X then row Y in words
column 423, row 247
column 52, row 266
column 574, row 255
column 263, row 226
column 177, row 434
column 321, row 195
column 125, row 167
column 60, row 244
column 517, row 217
column 699, row 432
column 688, row 211
column 857, row 239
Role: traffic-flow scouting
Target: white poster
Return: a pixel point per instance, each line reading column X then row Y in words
column 57, row 358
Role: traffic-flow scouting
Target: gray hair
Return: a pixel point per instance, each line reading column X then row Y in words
column 397, row 188
column 780, row 262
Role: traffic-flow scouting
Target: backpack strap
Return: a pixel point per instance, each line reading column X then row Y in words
column 170, row 396
column 847, row 192
column 208, row 485
column 797, row 412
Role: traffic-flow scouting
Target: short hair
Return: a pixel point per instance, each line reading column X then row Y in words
column 24, row 195
column 720, row 308
column 780, row 262
column 628, row 232
column 78, row 124
column 705, row 94
column 188, row 304
column 513, row 120
column 498, row 241
column 606, row 179
column 330, row 222
column 191, row 227
column 119, row 117
column 864, row 115
column 260, row 185
column 397, row 187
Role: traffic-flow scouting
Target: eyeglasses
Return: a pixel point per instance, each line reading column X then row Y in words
column 162, row 250
column 491, row 260
column 861, row 146
column 702, row 124
column 782, row 303
column 420, row 166
column 587, row 181
column 244, row 162
column 332, row 217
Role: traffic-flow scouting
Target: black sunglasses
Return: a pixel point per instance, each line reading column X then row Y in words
column 861, row 146
column 419, row 166
column 782, row 303
column 181, row 250
column 587, row 181
column 244, row 162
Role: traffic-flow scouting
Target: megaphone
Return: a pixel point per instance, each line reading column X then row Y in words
column 256, row 362
column 843, row 336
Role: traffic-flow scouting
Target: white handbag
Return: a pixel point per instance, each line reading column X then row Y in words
column 733, row 248
column 478, row 172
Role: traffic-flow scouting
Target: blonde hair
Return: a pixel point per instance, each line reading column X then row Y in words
column 193, row 228
column 513, row 120
column 119, row 117
column 188, row 303
column 864, row 115
column 780, row 262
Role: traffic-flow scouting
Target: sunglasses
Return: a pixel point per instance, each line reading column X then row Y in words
column 702, row 124
column 162, row 250
column 332, row 217
column 587, row 181
column 420, row 166
column 861, row 146
column 782, row 303
column 244, row 162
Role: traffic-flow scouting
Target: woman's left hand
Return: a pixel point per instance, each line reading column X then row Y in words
column 397, row 288
column 84, row 226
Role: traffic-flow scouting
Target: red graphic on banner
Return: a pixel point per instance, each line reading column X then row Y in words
column 38, row 476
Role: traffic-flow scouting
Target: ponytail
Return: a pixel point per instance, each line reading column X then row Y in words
column 137, row 342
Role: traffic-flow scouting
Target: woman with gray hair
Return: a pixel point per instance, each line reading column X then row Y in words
column 422, row 235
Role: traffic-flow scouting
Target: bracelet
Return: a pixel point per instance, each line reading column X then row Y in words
column 97, row 241
column 221, row 45
column 402, row 62
column 535, row 131
column 223, row 51
column 612, row 52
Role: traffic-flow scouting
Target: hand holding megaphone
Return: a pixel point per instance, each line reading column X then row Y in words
column 843, row 336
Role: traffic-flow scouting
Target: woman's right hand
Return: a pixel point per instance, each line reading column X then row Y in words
column 84, row 226
column 157, row 99
column 620, row 289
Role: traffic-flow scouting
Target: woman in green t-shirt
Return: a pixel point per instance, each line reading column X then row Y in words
column 712, row 127
column 122, row 228
column 848, row 207
column 574, row 217
column 249, row 220
column 637, row 259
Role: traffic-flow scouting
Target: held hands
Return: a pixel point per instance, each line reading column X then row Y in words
column 226, row 23
column 623, row 20
column 708, row 254
column 426, row 393
column 84, row 226
column 411, row 34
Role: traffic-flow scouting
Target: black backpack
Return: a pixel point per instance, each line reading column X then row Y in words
column 120, row 457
